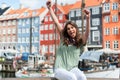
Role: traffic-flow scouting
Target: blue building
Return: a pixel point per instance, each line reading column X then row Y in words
column 29, row 30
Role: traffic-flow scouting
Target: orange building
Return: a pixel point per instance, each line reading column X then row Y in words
column 111, row 24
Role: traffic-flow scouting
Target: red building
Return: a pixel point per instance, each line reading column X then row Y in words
column 49, row 37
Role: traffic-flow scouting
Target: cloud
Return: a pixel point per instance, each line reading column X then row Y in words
column 33, row 4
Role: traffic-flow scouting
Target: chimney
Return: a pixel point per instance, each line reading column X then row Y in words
column 21, row 6
column 61, row 4
column 3, row 6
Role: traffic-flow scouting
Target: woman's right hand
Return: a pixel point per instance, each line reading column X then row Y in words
column 48, row 3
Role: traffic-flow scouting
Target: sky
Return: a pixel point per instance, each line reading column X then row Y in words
column 33, row 4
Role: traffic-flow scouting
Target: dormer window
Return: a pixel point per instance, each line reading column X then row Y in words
column 34, row 13
column 25, row 13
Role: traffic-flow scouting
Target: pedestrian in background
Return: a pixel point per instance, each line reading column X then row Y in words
column 71, row 44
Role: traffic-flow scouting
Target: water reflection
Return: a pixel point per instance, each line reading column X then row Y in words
column 7, row 75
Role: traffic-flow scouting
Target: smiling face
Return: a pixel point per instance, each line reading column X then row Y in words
column 71, row 30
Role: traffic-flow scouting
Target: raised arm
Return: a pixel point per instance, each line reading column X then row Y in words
column 54, row 17
column 86, row 34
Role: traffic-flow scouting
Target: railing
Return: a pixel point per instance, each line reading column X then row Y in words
column 105, row 12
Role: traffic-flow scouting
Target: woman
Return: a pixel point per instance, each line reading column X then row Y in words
column 71, row 44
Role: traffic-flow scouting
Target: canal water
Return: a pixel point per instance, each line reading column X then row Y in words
column 7, row 75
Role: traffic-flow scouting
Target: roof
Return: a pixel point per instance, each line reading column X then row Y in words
column 67, row 7
column 30, row 13
column 64, row 8
column 88, row 3
column 41, row 10
column 13, row 14
column 3, row 10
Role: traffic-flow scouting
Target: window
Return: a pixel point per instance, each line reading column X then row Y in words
column 106, row 7
column 13, row 39
column 27, row 49
column 107, row 19
column 36, row 39
column 115, row 44
column 14, row 31
column 95, row 21
column 23, row 39
column 27, row 40
column 46, row 36
column 107, row 44
column 50, row 36
column 115, row 18
column 0, row 31
column 36, row 20
column 107, row 31
column 51, row 26
column 51, row 48
column 4, row 31
column 72, row 13
column 96, row 36
column 41, row 27
column 46, row 27
column 50, row 18
column 115, row 6
column 8, row 39
column 9, row 23
column 46, row 18
column 27, row 30
column 19, row 31
column 23, row 22
column 78, row 22
column 41, row 37
column 3, row 39
column 23, row 30
column 115, row 30
column 9, row 31
column 60, row 17
column 27, row 21
column 0, row 23
column 4, row 23
column 19, row 22
column 46, row 49
column 19, row 40
column 78, row 12
column 95, row 10
column 25, row 13
column 14, row 22
column 34, row 13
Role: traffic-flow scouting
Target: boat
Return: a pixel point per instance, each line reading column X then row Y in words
column 26, row 73
column 111, row 73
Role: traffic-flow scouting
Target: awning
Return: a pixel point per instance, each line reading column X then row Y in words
column 91, row 55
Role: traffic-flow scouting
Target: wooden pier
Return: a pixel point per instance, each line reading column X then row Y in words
column 54, row 79
column 7, row 66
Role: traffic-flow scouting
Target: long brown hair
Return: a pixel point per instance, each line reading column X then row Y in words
column 66, row 38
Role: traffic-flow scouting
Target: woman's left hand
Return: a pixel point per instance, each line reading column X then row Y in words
column 87, row 13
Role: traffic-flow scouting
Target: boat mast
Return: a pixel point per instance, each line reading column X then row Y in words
column 82, row 15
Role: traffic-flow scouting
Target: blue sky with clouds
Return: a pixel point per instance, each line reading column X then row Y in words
column 33, row 4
